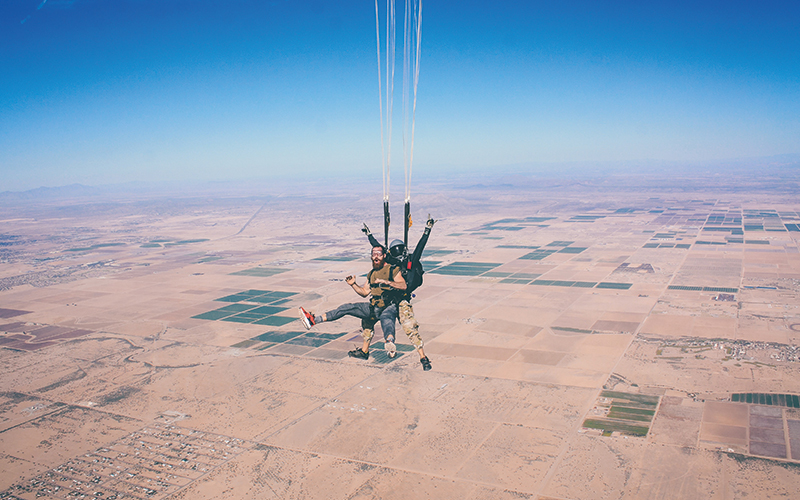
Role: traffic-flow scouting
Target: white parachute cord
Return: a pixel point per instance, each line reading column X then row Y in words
column 412, row 39
column 380, row 97
column 407, row 41
column 414, row 109
column 390, row 69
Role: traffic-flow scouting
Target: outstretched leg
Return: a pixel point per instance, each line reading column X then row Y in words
column 358, row 309
column 405, row 314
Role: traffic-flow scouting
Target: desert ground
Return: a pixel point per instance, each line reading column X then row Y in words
column 603, row 346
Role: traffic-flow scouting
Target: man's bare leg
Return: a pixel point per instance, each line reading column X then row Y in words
column 366, row 332
column 365, row 347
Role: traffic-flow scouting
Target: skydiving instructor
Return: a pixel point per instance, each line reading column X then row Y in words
column 411, row 269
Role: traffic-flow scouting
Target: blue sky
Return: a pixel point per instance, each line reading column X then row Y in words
column 97, row 91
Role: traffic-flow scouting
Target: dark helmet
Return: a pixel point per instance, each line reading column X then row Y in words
column 397, row 248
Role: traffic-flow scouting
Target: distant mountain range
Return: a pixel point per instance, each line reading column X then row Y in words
column 786, row 166
column 71, row 191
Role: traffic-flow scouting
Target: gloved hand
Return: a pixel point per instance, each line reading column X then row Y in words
column 430, row 222
column 365, row 229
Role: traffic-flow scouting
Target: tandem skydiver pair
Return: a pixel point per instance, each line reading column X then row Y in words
column 390, row 285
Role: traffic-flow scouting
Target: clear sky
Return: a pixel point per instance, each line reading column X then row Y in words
column 101, row 91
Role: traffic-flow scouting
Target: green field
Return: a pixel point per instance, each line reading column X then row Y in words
column 613, row 426
column 260, row 272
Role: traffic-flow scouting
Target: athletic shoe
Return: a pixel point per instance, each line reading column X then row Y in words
column 358, row 353
column 426, row 363
column 391, row 349
column 307, row 318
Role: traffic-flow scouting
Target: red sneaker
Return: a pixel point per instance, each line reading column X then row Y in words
column 307, row 318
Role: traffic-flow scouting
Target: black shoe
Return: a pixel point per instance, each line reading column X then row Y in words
column 426, row 363
column 358, row 353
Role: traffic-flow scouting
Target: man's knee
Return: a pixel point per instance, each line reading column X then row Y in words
column 367, row 333
column 409, row 324
column 404, row 310
column 407, row 319
column 411, row 327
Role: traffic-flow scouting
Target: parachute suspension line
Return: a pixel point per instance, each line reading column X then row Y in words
column 412, row 37
column 390, row 69
column 386, row 118
column 416, row 84
column 386, row 151
column 406, row 222
column 391, row 39
column 384, row 157
column 380, row 97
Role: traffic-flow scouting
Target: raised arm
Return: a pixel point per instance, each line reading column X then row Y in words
column 361, row 290
column 375, row 243
column 423, row 240
column 372, row 240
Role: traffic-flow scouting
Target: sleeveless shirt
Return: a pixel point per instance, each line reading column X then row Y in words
column 382, row 294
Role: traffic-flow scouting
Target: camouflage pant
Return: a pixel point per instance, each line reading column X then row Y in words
column 405, row 314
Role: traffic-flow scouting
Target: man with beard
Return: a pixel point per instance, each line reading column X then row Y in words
column 384, row 283
column 411, row 269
